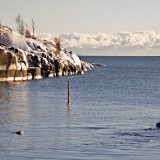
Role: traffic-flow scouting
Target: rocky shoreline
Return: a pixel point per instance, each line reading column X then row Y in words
column 24, row 58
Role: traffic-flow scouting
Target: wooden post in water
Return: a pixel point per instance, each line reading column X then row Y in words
column 68, row 93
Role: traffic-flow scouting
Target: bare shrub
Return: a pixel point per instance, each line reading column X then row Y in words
column 58, row 45
column 33, row 28
column 28, row 33
column 20, row 24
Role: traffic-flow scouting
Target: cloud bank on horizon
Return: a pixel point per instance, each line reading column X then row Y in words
column 140, row 39
column 123, row 40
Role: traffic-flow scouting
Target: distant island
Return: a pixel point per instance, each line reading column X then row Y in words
column 27, row 57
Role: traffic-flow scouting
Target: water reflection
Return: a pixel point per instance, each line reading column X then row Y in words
column 13, row 102
column 68, row 117
column 3, row 95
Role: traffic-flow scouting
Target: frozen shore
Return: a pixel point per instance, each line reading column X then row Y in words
column 24, row 58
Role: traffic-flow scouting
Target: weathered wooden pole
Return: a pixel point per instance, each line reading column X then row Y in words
column 68, row 93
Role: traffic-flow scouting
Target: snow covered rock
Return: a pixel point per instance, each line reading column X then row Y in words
column 10, row 68
column 26, row 58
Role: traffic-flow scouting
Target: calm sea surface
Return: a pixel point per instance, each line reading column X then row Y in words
column 113, row 113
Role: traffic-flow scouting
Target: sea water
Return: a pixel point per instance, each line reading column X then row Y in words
column 112, row 115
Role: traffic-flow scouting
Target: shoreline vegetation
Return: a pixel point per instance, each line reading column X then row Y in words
column 26, row 58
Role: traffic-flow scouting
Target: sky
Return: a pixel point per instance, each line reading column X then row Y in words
column 94, row 27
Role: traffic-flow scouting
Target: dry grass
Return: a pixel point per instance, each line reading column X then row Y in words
column 58, row 45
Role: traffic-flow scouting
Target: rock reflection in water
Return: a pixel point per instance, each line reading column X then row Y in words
column 9, row 96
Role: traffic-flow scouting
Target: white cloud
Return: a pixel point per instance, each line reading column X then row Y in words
column 138, row 40
column 88, row 41
column 45, row 36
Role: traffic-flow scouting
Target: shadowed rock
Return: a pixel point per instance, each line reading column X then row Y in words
column 158, row 125
column 20, row 132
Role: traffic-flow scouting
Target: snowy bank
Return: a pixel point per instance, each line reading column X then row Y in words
column 24, row 58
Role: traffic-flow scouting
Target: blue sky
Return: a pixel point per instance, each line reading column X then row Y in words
column 91, row 17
